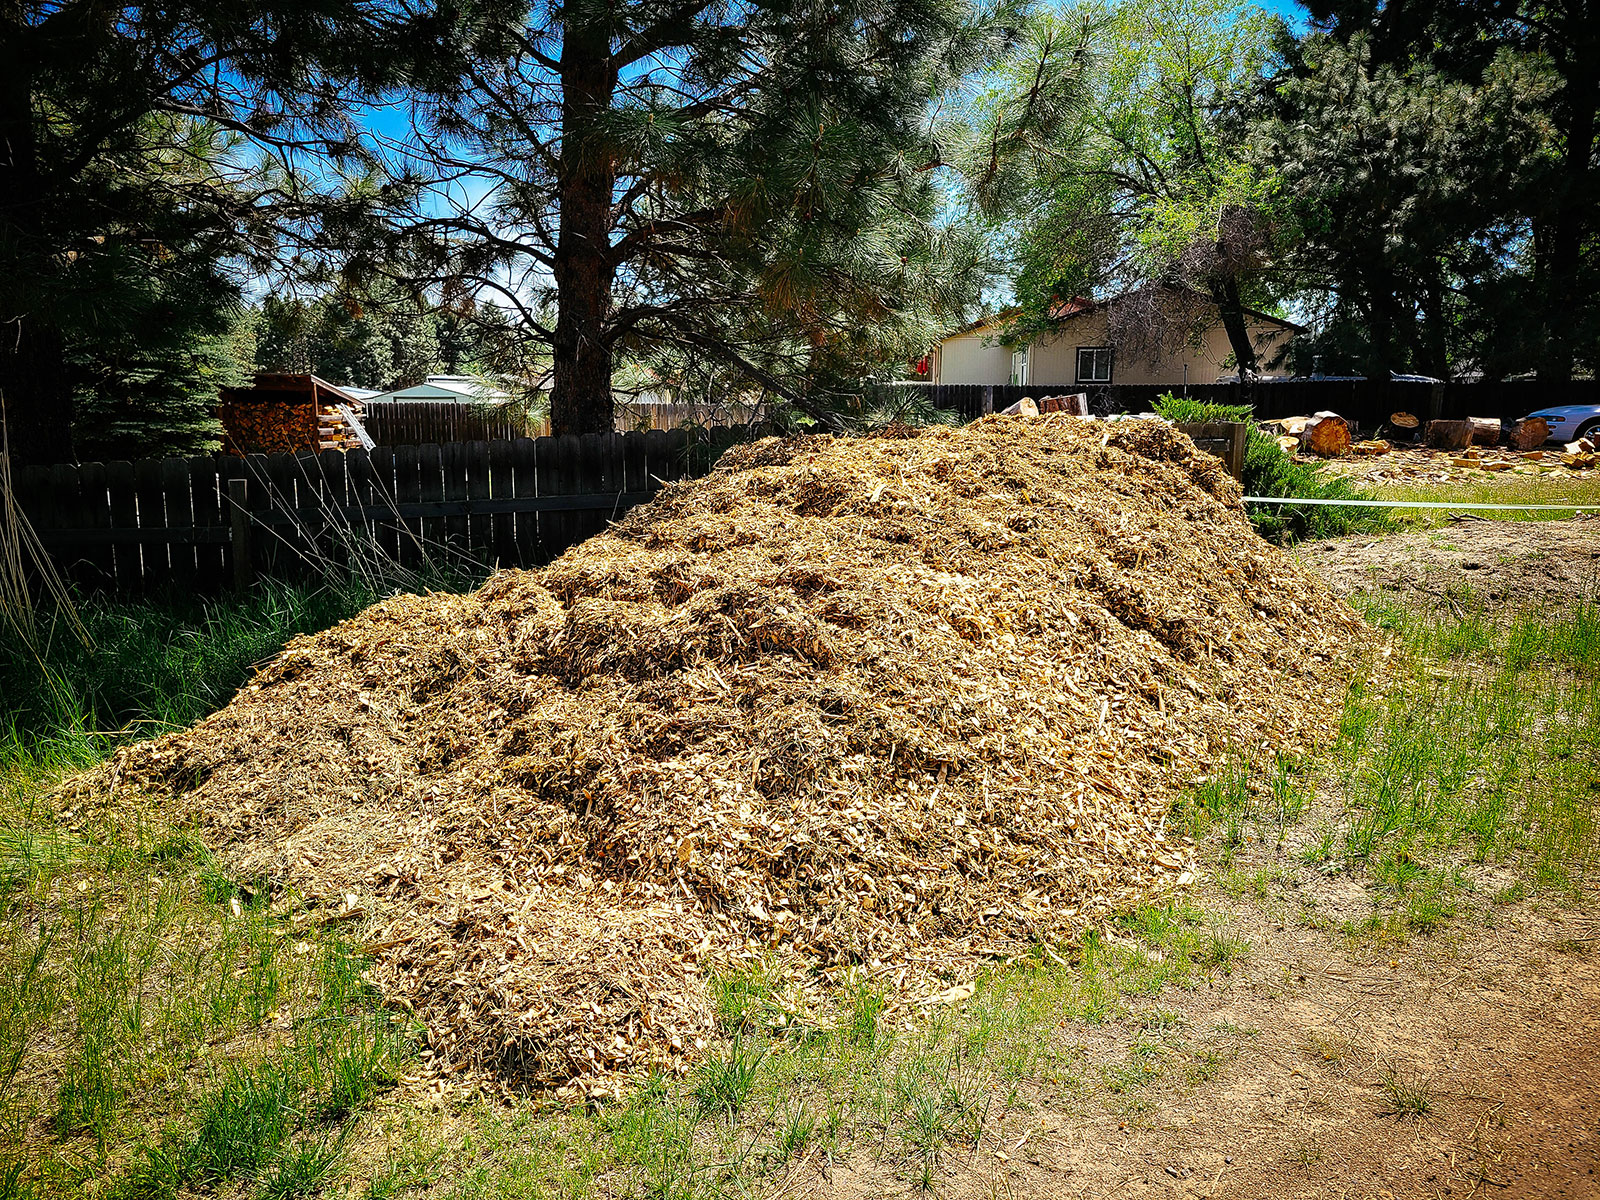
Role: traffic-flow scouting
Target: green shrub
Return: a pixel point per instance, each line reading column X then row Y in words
column 1268, row 471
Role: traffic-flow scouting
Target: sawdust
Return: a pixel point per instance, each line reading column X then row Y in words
column 892, row 706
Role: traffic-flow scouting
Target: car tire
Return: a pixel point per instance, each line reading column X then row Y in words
column 1587, row 428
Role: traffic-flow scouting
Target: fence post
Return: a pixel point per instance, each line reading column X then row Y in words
column 243, row 566
column 1239, row 437
column 988, row 399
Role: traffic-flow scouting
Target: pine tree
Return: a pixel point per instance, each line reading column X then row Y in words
column 760, row 184
column 132, row 131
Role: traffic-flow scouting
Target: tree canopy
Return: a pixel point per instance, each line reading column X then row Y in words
column 774, row 198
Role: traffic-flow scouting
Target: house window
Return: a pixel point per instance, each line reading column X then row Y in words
column 1094, row 364
column 1019, row 365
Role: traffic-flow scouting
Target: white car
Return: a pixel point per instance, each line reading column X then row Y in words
column 1570, row 422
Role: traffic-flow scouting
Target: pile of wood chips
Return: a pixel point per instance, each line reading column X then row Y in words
column 897, row 705
column 1420, row 466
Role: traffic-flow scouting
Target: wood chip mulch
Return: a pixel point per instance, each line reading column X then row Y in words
column 895, row 706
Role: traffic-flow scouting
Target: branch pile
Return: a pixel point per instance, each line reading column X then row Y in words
column 905, row 702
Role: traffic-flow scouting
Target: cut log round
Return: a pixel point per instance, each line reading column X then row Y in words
column 1485, row 430
column 1530, row 434
column 1448, row 435
column 1288, row 444
column 1403, row 420
column 1330, row 438
column 1077, row 404
column 1022, row 408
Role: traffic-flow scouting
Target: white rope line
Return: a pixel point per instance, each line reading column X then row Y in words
column 1424, row 504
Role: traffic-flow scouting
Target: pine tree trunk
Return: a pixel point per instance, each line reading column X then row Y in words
column 580, row 396
column 34, row 389
column 1225, row 292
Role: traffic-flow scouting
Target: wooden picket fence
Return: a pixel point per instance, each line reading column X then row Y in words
column 419, row 424
column 205, row 524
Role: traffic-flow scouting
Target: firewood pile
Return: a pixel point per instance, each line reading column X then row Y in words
column 886, row 707
column 286, row 424
column 289, row 414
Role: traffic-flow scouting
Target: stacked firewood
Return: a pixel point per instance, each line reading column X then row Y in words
column 282, row 424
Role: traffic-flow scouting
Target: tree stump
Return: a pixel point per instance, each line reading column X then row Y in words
column 1485, row 430
column 1530, row 434
column 1330, row 438
column 1448, row 435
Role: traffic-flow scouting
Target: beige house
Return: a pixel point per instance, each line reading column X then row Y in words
column 1082, row 352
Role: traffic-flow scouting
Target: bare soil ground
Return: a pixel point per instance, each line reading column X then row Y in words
column 1491, row 1025
column 1498, row 1027
column 1516, row 562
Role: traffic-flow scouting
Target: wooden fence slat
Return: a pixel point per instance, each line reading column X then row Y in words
column 430, row 486
column 635, row 470
column 99, row 557
column 453, row 459
column 156, row 562
column 525, row 486
column 59, row 507
column 205, row 502
column 656, row 456
column 179, row 502
column 546, row 455
column 589, row 477
column 407, row 490
column 480, row 530
column 124, row 506
column 363, row 494
column 502, row 486
column 333, row 469
column 379, row 489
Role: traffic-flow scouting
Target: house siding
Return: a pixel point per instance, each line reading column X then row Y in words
column 1053, row 361
column 974, row 357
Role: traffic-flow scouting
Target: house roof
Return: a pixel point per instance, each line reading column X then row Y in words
column 1064, row 310
column 446, row 387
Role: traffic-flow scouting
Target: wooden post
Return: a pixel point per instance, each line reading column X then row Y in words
column 243, row 567
column 988, row 399
column 1237, row 444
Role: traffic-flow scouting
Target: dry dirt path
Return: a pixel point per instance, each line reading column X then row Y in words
column 1498, row 1022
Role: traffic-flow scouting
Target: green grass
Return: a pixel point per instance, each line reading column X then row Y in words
column 149, row 665
column 163, row 1029
column 1576, row 490
column 159, row 1035
column 1482, row 746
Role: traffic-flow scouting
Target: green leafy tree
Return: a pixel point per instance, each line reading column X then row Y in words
column 380, row 335
column 760, row 184
column 1148, row 191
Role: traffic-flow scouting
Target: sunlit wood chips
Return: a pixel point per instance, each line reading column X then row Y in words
column 896, row 705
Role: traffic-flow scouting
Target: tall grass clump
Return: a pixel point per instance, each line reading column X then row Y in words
column 139, row 667
column 1268, row 471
